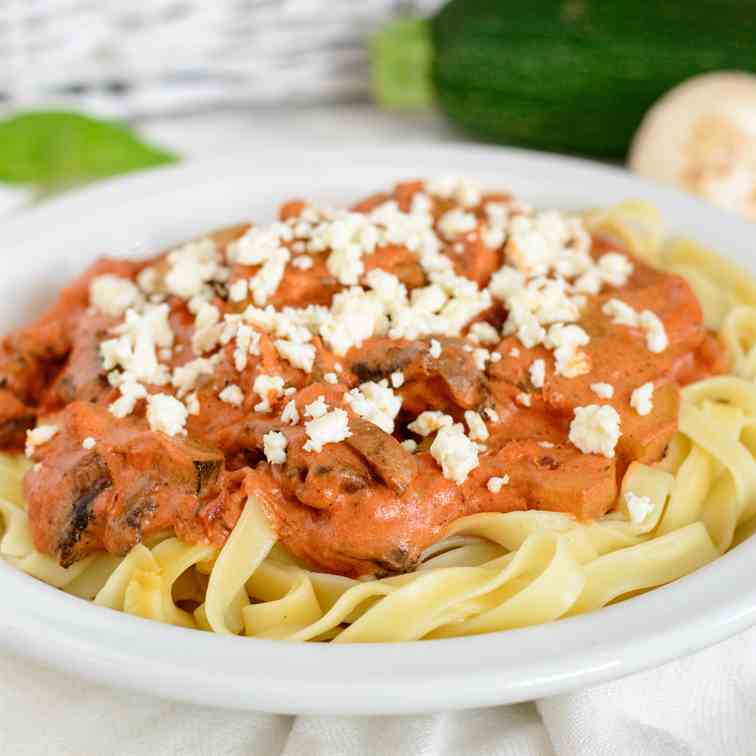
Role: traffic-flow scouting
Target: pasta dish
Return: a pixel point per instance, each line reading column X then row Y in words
column 438, row 412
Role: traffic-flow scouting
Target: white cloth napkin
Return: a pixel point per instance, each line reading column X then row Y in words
column 704, row 704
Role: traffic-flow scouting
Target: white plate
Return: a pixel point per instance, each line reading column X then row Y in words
column 46, row 247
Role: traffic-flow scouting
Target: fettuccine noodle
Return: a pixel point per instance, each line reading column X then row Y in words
column 492, row 571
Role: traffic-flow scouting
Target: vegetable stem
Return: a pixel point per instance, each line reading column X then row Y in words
column 401, row 58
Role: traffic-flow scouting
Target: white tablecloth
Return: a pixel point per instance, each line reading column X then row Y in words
column 704, row 704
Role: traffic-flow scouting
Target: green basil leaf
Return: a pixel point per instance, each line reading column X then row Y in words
column 54, row 150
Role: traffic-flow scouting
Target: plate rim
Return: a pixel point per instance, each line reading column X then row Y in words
column 400, row 678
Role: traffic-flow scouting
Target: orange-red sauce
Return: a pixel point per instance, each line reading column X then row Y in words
column 361, row 506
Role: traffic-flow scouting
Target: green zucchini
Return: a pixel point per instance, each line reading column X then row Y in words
column 568, row 75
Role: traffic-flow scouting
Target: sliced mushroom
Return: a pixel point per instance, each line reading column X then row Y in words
column 390, row 461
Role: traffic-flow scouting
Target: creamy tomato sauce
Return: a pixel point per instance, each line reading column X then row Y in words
column 367, row 504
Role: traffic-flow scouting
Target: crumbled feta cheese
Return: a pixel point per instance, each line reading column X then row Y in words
column 495, row 484
column 301, row 356
column 303, row 262
column 524, row 399
column 184, row 377
column 641, row 400
column 621, row 313
column 238, row 290
column 656, row 334
column 232, row 395
column 376, row 403
column 290, row 416
column 274, row 447
column 410, row 445
column 207, row 328
column 648, row 321
column 478, row 430
column 269, row 387
column 481, row 357
column 267, row 280
column 491, row 414
column 546, row 444
column 316, row 409
column 190, row 267
column 166, row 414
column 192, row 404
column 462, row 190
column 595, row 429
column 638, row 507
column 39, row 436
column 329, row 428
column 429, row 421
column 565, row 340
column 397, row 379
column 514, row 352
column 455, row 452
column 538, row 373
column 131, row 393
column 495, row 357
column 603, row 390
column 435, row 349
column 483, row 333
column 113, row 295
column 88, row 443
column 456, row 222
column 135, row 347
column 331, row 378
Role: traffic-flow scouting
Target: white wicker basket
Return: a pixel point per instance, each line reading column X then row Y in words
column 138, row 57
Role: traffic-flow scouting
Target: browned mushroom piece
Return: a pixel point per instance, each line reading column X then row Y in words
column 388, row 459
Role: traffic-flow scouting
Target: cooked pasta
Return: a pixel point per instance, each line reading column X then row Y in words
column 489, row 571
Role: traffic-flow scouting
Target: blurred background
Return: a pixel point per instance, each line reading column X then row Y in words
column 93, row 88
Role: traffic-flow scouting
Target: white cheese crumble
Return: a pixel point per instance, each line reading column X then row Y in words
column 455, row 453
column 476, row 425
column 191, row 267
column 495, row 483
column 166, row 414
column 648, row 321
column 638, row 507
column 131, row 393
column 269, row 387
column 524, row 399
column 483, row 333
column 303, row 262
column 397, row 379
column 301, row 356
column 435, row 349
column 656, row 335
column 232, row 395
column 429, row 421
column 538, row 373
column 316, row 409
column 39, row 436
column 329, row 428
column 641, row 400
column 410, row 445
column 375, row 402
column 274, row 447
column 290, row 415
column 491, row 414
column 603, row 390
column 514, row 352
column 192, row 404
column 595, row 429
column 238, row 290
column 331, row 378
column 89, row 443
column 456, row 222
column 481, row 357
column 135, row 347
column 112, row 294
column 565, row 340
